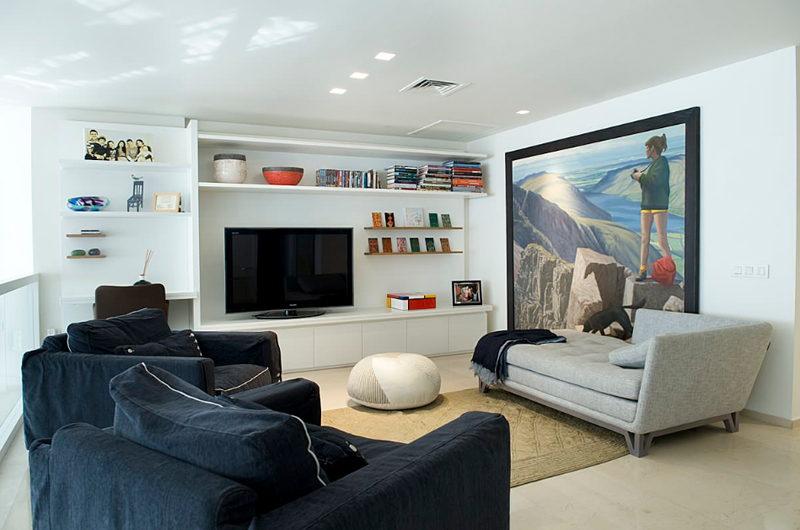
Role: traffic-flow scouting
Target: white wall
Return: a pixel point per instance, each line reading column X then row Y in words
column 15, row 186
column 748, row 204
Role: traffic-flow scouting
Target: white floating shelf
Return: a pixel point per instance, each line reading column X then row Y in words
column 177, row 295
column 124, row 167
column 298, row 145
column 131, row 215
column 218, row 187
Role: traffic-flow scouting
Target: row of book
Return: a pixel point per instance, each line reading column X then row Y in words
column 467, row 176
column 343, row 178
column 454, row 175
column 403, row 246
column 410, row 301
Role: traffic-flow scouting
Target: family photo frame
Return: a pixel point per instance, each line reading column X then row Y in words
column 467, row 292
column 578, row 213
column 117, row 146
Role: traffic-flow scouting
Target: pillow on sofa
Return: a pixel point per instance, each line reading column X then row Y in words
column 267, row 451
column 337, row 456
column 180, row 344
column 104, row 335
column 632, row 356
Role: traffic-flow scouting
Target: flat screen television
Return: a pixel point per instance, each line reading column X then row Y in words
column 288, row 272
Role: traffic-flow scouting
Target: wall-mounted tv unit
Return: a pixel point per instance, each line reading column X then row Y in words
column 288, row 272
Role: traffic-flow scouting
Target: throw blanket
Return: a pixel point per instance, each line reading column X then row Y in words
column 489, row 360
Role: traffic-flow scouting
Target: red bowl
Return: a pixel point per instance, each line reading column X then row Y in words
column 282, row 176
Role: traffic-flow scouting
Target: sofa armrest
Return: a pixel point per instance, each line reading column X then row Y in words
column 61, row 387
column 455, row 477
column 698, row 375
column 298, row 397
column 100, row 481
column 226, row 348
column 652, row 323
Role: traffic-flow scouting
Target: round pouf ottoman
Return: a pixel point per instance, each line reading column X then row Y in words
column 394, row 381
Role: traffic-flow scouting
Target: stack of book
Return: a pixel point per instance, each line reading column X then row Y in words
column 467, row 176
column 434, row 178
column 342, row 178
column 410, row 301
column 401, row 177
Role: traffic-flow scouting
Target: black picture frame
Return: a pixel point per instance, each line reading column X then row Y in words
column 467, row 292
column 522, row 232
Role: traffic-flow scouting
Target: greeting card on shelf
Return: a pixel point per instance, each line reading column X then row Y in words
column 377, row 220
column 389, row 219
column 446, row 220
column 429, row 244
column 373, row 245
column 445, row 242
column 401, row 245
column 387, row 244
column 414, row 217
column 434, row 220
column 414, row 244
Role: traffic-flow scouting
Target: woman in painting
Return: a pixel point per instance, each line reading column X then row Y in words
column 655, row 199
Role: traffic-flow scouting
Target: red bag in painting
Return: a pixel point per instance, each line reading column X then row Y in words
column 664, row 270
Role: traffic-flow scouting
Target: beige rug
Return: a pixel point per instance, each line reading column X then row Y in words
column 544, row 442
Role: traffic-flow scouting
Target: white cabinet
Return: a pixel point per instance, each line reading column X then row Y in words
column 337, row 345
column 384, row 337
column 465, row 331
column 428, row 336
column 297, row 348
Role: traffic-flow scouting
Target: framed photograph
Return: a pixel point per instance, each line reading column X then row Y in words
column 414, row 217
column 604, row 220
column 117, row 146
column 167, row 202
column 467, row 292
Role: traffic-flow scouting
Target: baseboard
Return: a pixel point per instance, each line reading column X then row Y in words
column 772, row 420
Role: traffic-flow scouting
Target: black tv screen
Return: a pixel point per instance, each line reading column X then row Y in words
column 279, row 270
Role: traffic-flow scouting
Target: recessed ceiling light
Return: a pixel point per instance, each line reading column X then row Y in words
column 383, row 56
column 523, row 111
column 359, row 75
column 338, row 91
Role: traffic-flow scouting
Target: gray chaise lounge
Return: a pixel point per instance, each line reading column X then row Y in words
column 696, row 370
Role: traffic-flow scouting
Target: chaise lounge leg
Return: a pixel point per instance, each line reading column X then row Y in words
column 732, row 423
column 638, row 444
column 482, row 387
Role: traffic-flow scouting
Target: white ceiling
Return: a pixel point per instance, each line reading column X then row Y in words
column 270, row 62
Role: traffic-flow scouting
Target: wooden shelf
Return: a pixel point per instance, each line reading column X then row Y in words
column 87, row 257
column 328, row 147
column 86, row 235
column 127, row 167
column 218, row 187
column 410, row 253
column 414, row 228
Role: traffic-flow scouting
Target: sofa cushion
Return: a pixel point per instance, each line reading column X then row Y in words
column 582, row 360
column 337, row 454
column 267, row 451
column 632, row 356
column 234, row 378
column 104, row 335
column 180, row 344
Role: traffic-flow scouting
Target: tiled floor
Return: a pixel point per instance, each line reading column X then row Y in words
column 700, row 479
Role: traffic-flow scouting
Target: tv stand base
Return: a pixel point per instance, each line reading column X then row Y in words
column 290, row 313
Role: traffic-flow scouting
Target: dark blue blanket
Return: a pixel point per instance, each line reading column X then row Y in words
column 489, row 360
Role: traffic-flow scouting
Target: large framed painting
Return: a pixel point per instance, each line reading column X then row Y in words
column 604, row 223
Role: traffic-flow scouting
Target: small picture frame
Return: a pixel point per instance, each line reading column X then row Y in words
column 387, row 244
column 167, row 202
column 467, row 292
column 414, row 242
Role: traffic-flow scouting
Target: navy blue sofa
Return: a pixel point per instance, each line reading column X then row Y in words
column 454, row 478
column 60, row 387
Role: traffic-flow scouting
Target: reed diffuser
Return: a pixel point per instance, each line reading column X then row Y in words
column 148, row 256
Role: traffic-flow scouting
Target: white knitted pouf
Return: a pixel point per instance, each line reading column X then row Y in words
column 394, row 381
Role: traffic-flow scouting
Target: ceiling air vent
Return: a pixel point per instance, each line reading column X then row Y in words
column 444, row 88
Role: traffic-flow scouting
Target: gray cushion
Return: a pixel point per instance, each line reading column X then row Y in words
column 234, row 378
column 632, row 356
column 582, row 361
column 267, row 451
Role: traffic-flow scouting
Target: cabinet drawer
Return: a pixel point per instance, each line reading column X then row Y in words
column 428, row 336
column 384, row 337
column 297, row 348
column 465, row 331
column 337, row 345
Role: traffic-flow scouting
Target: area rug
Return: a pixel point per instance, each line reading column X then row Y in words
column 544, row 442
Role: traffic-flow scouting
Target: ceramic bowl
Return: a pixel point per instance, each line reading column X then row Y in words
column 282, row 176
column 87, row 204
